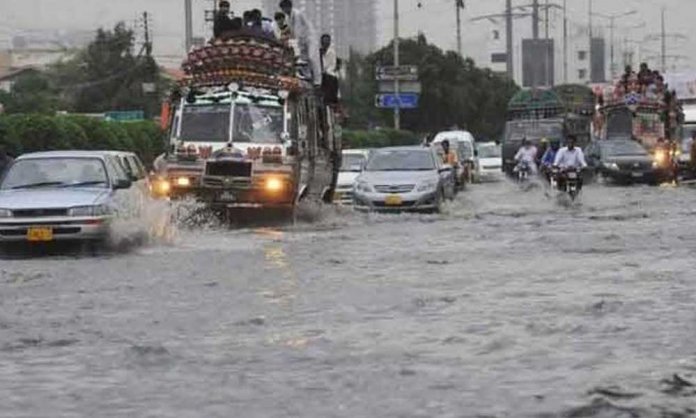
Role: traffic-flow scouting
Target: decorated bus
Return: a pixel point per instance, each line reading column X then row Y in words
column 247, row 130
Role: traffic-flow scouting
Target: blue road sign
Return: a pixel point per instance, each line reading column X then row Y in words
column 391, row 101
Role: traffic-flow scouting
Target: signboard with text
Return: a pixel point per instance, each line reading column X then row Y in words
column 401, row 73
column 404, row 87
column 392, row 101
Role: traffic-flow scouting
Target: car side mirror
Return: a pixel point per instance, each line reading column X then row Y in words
column 123, row 184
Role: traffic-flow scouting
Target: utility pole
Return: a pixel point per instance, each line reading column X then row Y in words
column 612, row 25
column 148, row 42
column 459, row 5
column 397, row 110
column 535, row 19
column 508, row 14
column 509, row 39
column 565, row 41
column 663, row 50
column 547, row 71
column 188, row 11
column 663, row 36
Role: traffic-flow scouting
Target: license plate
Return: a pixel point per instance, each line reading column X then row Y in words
column 228, row 197
column 393, row 200
column 572, row 175
column 39, row 234
column 637, row 175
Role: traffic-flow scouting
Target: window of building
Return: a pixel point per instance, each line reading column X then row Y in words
column 582, row 55
column 582, row 74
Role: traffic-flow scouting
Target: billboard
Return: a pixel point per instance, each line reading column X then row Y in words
column 684, row 84
column 598, row 65
column 538, row 62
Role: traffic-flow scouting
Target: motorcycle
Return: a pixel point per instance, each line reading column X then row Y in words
column 523, row 172
column 568, row 181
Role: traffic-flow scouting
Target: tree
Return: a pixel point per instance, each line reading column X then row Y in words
column 108, row 75
column 32, row 92
column 455, row 91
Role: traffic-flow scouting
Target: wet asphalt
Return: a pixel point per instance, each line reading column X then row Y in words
column 509, row 304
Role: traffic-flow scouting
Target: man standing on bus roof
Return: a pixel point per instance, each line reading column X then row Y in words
column 223, row 21
column 303, row 31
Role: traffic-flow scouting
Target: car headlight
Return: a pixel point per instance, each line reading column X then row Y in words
column 363, row 186
column 98, row 210
column 427, row 186
column 5, row 213
column 612, row 166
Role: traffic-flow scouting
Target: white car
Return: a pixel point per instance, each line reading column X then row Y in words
column 490, row 163
column 353, row 162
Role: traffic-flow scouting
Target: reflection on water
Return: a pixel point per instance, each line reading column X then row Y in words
column 507, row 304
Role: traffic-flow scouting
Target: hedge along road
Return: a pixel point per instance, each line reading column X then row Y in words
column 506, row 305
column 29, row 133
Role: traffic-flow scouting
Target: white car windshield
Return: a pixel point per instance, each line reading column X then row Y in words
column 401, row 160
column 488, row 151
column 352, row 163
column 56, row 172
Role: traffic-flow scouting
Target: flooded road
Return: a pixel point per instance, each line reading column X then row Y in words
column 507, row 305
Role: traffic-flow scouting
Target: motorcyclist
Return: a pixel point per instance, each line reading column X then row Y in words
column 665, row 155
column 449, row 157
column 526, row 157
column 549, row 157
column 570, row 158
column 541, row 151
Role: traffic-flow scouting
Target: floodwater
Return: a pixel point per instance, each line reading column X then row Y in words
column 507, row 305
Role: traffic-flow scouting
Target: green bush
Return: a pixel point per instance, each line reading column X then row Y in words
column 23, row 133
column 379, row 138
column 32, row 133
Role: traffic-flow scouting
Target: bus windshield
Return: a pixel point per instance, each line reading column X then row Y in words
column 257, row 124
column 205, row 123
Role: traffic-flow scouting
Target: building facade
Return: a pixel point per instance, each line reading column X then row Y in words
column 352, row 24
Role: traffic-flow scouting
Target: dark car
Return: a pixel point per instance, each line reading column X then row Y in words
column 623, row 161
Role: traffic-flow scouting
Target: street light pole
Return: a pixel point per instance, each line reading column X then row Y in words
column 612, row 24
column 508, row 40
column 397, row 110
column 188, row 11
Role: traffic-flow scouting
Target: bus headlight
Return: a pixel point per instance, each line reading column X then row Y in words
column 274, row 185
column 161, row 187
column 183, row 182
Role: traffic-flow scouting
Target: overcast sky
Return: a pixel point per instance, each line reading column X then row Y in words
column 435, row 18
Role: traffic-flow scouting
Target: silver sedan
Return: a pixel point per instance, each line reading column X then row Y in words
column 56, row 196
column 404, row 178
